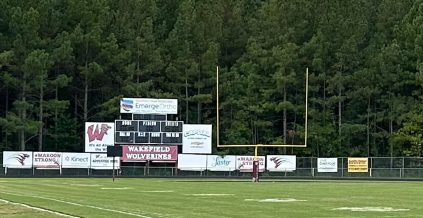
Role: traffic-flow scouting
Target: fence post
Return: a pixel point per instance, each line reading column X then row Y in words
column 342, row 167
column 403, row 167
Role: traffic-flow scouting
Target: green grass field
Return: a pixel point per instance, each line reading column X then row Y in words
column 95, row 197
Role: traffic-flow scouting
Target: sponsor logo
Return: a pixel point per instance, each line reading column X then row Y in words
column 97, row 133
column 197, row 143
column 197, row 132
column 127, row 105
column 221, row 162
column 325, row 163
column 242, row 165
column 279, row 161
column 76, row 159
column 20, row 158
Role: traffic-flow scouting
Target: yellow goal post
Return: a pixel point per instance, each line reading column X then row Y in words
column 260, row 145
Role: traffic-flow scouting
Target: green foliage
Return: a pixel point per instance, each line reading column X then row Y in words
column 66, row 62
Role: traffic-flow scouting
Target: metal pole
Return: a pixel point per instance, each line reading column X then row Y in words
column 306, row 110
column 403, row 167
column 113, row 171
column 217, row 106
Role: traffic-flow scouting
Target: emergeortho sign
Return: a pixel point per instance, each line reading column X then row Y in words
column 148, row 106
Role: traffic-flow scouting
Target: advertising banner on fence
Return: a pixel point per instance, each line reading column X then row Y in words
column 197, row 139
column 138, row 153
column 245, row 163
column 102, row 162
column 98, row 136
column 358, row 165
column 17, row 159
column 148, row 106
column 76, row 160
column 218, row 163
column 327, row 165
column 47, row 160
column 192, row 162
column 284, row 163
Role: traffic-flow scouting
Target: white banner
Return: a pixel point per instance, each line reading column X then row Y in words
column 17, row 159
column 47, row 159
column 327, row 165
column 102, row 162
column 218, row 163
column 98, row 136
column 148, row 106
column 76, row 160
column 245, row 163
column 192, row 162
column 285, row 163
column 197, row 139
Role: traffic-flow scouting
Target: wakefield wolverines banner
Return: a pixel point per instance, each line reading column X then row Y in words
column 245, row 163
column 197, row 139
column 98, row 136
column 47, row 159
column 17, row 159
column 358, row 165
column 137, row 153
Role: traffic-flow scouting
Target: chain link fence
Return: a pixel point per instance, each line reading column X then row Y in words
column 378, row 168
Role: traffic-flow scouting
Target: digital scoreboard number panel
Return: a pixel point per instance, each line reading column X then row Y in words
column 149, row 126
column 148, row 132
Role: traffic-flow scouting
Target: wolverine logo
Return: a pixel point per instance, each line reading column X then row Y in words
column 97, row 133
column 20, row 158
column 278, row 161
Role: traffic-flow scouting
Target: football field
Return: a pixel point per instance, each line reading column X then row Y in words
column 150, row 198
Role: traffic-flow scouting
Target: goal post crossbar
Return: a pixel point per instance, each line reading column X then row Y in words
column 261, row 145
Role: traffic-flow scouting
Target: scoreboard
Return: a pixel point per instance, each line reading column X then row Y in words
column 148, row 132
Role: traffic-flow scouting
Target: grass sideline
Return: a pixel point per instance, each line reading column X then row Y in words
column 151, row 198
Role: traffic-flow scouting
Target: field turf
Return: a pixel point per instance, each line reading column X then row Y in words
column 151, row 198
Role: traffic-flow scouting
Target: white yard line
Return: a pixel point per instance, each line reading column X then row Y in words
column 372, row 209
column 204, row 194
column 274, row 200
column 117, row 188
column 38, row 209
column 80, row 205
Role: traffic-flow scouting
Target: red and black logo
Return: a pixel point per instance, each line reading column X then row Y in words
column 97, row 133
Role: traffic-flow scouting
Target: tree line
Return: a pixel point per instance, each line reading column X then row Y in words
column 65, row 62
